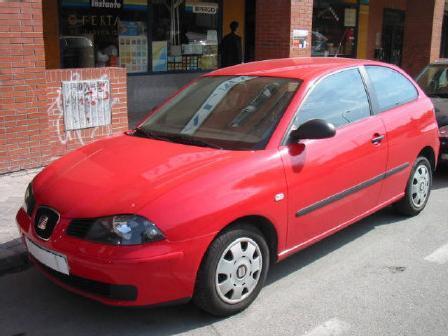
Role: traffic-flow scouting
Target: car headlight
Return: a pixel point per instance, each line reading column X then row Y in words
column 118, row 230
column 29, row 202
column 443, row 131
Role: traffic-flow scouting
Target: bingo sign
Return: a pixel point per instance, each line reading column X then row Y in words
column 202, row 7
column 106, row 4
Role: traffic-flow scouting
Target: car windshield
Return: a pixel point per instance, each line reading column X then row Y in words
column 228, row 112
column 434, row 80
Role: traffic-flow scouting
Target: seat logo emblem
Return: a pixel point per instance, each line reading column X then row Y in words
column 43, row 221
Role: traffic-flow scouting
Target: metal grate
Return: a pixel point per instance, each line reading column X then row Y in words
column 109, row 291
column 79, row 227
column 86, row 103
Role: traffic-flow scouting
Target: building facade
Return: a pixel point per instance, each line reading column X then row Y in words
column 73, row 71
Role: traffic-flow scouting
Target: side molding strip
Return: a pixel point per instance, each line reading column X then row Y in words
column 352, row 190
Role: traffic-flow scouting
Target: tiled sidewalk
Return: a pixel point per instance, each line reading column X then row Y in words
column 12, row 191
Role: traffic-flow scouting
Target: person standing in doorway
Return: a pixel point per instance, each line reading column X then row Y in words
column 231, row 47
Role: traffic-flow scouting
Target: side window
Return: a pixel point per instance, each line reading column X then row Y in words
column 339, row 99
column 391, row 88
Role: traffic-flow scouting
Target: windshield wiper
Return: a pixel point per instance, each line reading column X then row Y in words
column 188, row 140
column 178, row 138
column 149, row 134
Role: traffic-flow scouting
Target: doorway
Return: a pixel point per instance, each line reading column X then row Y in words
column 444, row 40
column 393, row 35
column 249, row 41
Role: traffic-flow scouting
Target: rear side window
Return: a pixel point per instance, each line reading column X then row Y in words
column 391, row 88
column 340, row 99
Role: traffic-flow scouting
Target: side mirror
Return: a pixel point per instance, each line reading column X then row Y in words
column 313, row 129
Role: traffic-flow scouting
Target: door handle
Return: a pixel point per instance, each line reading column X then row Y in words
column 377, row 138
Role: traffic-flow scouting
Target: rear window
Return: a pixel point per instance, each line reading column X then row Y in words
column 391, row 88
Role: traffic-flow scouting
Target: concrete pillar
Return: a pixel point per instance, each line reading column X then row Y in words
column 275, row 21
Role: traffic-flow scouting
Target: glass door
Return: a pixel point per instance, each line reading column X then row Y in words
column 393, row 33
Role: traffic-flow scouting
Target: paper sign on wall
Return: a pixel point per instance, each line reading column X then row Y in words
column 86, row 103
column 299, row 38
column 350, row 17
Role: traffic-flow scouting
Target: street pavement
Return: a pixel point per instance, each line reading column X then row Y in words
column 12, row 191
column 386, row 275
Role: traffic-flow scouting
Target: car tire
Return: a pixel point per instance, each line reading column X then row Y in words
column 418, row 189
column 233, row 271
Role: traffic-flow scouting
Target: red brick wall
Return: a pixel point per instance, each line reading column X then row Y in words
column 275, row 21
column 418, row 35
column 31, row 133
column 272, row 29
column 56, row 140
column 301, row 18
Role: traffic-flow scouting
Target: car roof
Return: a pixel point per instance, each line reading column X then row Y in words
column 304, row 68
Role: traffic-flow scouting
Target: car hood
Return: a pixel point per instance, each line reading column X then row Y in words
column 441, row 108
column 121, row 174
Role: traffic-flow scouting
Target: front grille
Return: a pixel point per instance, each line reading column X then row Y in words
column 79, row 227
column 45, row 221
column 109, row 291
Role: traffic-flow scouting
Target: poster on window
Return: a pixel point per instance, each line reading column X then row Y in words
column 134, row 53
column 350, row 17
column 159, row 56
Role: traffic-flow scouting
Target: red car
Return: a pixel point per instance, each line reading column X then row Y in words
column 240, row 169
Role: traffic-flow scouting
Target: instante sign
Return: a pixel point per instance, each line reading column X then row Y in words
column 109, row 4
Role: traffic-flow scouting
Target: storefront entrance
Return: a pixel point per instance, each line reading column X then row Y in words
column 335, row 28
column 392, row 36
column 249, row 31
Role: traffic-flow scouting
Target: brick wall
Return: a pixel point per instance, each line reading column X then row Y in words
column 422, row 31
column 275, row 21
column 31, row 129
column 56, row 141
column 419, row 40
column 301, row 18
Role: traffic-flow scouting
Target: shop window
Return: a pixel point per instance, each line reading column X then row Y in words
column 141, row 35
column 184, row 35
column 334, row 28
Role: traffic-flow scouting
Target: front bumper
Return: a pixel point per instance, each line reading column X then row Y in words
column 141, row 275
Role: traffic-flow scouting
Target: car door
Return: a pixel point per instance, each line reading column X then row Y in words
column 333, row 181
column 395, row 99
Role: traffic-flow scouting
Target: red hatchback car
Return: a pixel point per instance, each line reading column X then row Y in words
column 243, row 167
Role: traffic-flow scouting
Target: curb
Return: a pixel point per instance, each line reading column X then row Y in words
column 16, row 262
